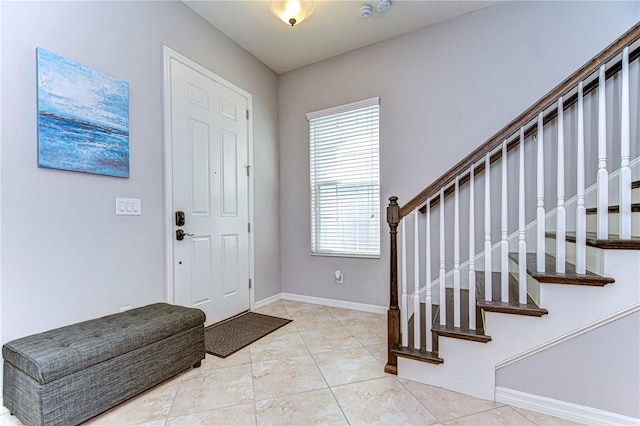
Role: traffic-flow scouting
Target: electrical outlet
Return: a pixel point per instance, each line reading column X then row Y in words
column 339, row 276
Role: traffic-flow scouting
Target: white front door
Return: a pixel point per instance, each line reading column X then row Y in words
column 209, row 157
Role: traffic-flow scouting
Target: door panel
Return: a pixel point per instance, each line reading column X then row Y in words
column 209, row 154
column 199, row 166
column 230, row 265
column 201, row 291
column 229, row 165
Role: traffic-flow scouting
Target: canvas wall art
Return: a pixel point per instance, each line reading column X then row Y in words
column 83, row 118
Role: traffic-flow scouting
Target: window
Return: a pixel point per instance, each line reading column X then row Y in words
column 345, row 180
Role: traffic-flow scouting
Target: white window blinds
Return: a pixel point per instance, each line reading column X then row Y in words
column 345, row 180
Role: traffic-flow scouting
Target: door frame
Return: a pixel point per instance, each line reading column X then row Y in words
column 168, row 55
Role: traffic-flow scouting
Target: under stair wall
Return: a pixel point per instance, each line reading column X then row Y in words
column 571, row 370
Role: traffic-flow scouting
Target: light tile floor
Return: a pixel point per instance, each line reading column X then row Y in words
column 326, row 367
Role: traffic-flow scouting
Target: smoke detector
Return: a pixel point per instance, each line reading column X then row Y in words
column 365, row 11
column 383, row 6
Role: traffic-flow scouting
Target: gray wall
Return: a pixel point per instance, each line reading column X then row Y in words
column 66, row 256
column 597, row 369
column 444, row 90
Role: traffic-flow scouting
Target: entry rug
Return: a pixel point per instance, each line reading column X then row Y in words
column 232, row 335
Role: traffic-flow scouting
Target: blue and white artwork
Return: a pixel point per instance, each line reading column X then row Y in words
column 83, row 118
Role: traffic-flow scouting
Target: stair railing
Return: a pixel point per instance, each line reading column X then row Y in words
column 539, row 123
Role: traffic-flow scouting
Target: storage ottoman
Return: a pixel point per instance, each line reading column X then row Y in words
column 68, row 375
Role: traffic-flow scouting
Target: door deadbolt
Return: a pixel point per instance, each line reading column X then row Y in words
column 180, row 234
column 179, row 218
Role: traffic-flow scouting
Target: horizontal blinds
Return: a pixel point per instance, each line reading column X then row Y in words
column 345, row 182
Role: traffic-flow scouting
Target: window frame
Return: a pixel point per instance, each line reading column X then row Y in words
column 341, row 109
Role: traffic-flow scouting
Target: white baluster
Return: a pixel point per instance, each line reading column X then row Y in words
column 625, row 171
column 504, row 244
column 540, row 213
column 488, row 291
column 416, row 281
column 522, row 243
column 561, row 215
column 443, row 289
column 603, row 174
column 472, row 251
column 404, row 323
column 456, row 255
column 581, row 211
column 427, row 301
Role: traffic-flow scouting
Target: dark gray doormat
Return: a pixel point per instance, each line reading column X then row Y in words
column 232, row 335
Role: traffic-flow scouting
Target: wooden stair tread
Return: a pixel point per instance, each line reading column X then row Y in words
column 613, row 242
column 423, row 327
column 635, row 184
column 511, row 307
column 462, row 332
column 551, row 276
column 635, row 208
column 419, row 355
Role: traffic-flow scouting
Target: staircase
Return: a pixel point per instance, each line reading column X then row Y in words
column 532, row 237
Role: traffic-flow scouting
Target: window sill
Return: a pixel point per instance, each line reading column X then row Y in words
column 354, row 255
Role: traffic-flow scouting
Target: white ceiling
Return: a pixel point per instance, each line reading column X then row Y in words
column 334, row 28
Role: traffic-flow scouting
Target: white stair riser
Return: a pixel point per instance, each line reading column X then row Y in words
column 614, row 223
column 635, row 195
column 533, row 286
column 595, row 256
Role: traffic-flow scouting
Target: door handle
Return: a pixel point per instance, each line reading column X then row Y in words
column 180, row 234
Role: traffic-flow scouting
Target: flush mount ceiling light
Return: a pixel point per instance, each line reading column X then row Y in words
column 291, row 12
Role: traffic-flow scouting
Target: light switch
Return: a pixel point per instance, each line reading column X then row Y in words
column 128, row 206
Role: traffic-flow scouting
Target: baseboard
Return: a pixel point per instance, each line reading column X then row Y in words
column 267, row 301
column 376, row 309
column 562, row 409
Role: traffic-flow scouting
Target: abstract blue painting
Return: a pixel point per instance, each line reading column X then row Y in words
column 83, row 118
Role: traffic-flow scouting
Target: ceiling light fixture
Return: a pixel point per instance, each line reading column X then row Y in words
column 291, row 12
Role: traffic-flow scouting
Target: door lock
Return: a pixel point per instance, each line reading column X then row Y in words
column 180, row 234
column 179, row 218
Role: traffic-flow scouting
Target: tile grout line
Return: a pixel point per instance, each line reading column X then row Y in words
column 173, row 401
column 416, row 398
column 323, row 376
column 253, row 386
column 490, row 409
column 309, row 354
column 203, row 410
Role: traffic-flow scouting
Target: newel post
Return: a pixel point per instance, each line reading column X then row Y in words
column 393, row 315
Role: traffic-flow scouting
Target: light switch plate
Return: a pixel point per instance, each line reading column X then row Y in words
column 128, row 207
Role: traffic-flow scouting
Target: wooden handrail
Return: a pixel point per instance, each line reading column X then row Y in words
column 527, row 117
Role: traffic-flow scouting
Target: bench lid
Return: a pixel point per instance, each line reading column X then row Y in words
column 57, row 353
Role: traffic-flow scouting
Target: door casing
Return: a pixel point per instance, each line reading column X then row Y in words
column 167, row 55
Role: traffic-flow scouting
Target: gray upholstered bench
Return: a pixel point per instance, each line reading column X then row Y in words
column 68, row 375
